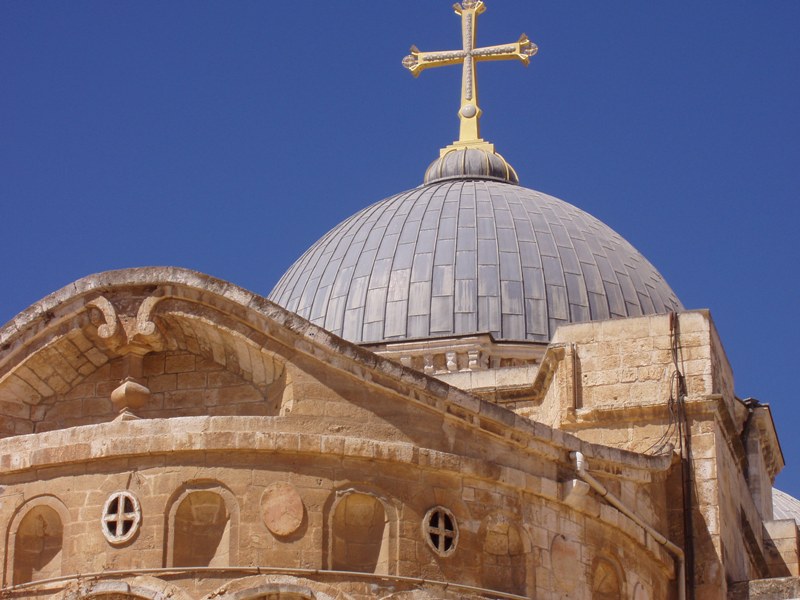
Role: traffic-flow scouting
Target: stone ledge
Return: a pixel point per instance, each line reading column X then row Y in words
column 783, row 588
column 241, row 435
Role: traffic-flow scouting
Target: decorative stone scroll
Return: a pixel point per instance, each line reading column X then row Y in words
column 133, row 337
column 126, row 334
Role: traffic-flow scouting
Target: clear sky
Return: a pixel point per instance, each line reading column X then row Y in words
column 227, row 137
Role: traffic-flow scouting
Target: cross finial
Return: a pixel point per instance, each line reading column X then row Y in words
column 469, row 56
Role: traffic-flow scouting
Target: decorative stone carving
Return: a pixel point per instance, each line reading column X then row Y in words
column 428, row 368
column 282, row 509
column 128, row 334
column 110, row 330
column 130, row 394
column 145, row 331
column 111, row 325
column 133, row 337
column 452, row 361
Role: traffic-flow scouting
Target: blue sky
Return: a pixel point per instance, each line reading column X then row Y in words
column 228, row 137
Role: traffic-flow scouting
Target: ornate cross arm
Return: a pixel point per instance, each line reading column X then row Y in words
column 417, row 61
column 521, row 50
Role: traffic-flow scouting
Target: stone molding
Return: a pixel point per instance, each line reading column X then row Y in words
column 274, row 434
column 462, row 354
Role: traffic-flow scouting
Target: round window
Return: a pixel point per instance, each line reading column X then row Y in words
column 121, row 517
column 440, row 530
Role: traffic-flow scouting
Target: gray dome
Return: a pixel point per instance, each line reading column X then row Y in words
column 463, row 257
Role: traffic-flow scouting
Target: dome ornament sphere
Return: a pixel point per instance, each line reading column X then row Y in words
column 469, row 111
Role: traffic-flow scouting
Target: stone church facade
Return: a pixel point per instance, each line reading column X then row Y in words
column 468, row 390
column 167, row 434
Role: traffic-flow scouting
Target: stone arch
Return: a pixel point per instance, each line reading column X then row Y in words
column 277, row 587
column 283, row 595
column 35, row 540
column 608, row 581
column 202, row 526
column 640, row 592
column 142, row 587
column 433, row 593
column 216, row 337
column 163, row 310
column 506, row 555
column 361, row 532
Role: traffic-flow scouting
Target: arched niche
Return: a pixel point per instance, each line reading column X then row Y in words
column 607, row 580
column 283, row 596
column 141, row 587
column 360, row 534
column 278, row 587
column 114, row 596
column 36, row 540
column 202, row 528
column 506, row 554
column 38, row 545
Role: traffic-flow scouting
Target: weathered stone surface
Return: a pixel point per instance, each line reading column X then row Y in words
column 267, row 441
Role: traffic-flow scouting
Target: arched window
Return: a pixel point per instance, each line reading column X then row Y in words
column 359, row 535
column 38, row 545
column 606, row 581
column 201, row 530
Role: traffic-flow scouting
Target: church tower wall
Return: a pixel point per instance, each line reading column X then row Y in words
column 627, row 384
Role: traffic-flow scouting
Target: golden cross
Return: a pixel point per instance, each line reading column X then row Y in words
column 469, row 56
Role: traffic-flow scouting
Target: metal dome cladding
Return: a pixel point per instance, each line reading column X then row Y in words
column 469, row 256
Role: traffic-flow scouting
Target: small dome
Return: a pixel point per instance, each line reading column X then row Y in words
column 471, row 256
column 470, row 163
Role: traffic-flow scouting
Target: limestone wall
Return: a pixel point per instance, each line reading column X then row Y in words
column 238, row 491
column 621, row 390
column 264, row 441
column 181, row 384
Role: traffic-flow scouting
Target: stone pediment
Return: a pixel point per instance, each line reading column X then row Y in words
column 162, row 343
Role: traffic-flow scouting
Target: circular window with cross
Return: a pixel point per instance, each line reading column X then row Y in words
column 440, row 530
column 121, row 517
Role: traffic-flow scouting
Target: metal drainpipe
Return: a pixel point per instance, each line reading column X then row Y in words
column 581, row 467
